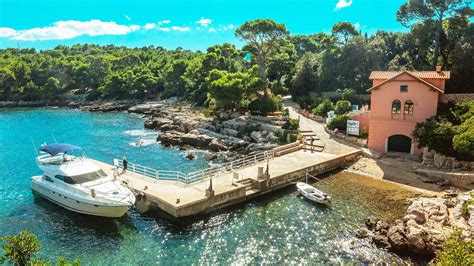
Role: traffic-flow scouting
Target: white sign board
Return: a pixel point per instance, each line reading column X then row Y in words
column 330, row 117
column 352, row 127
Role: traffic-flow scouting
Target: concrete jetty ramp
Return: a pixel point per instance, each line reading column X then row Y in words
column 231, row 186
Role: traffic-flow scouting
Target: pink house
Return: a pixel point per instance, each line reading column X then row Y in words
column 400, row 99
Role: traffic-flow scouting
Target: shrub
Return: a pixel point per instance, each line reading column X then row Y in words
column 20, row 248
column 463, row 141
column 292, row 124
column 323, row 108
column 293, row 137
column 286, row 112
column 350, row 95
column 435, row 134
column 339, row 122
column 265, row 105
column 343, row 107
column 465, row 207
column 284, row 137
column 455, row 251
column 363, row 134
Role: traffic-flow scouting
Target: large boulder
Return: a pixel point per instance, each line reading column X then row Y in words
column 230, row 132
column 196, row 140
column 156, row 122
column 218, row 145
column 144, row 108
column 170, row 138
column 257, row 136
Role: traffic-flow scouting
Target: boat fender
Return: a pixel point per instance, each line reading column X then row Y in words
column 140, row 196
column 93, row 192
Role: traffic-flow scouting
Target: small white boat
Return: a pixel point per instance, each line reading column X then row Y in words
column 313, row 194
column 77, row 184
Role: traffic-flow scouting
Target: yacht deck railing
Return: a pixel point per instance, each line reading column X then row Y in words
column 190, row 177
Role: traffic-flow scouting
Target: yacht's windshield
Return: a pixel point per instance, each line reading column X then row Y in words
column 79, row 179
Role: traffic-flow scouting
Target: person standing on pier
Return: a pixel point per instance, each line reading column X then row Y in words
column 125, row 164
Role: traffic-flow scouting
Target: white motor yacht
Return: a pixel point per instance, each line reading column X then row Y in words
column 79, row 185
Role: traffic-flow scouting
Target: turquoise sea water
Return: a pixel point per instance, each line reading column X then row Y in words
column 281, row 228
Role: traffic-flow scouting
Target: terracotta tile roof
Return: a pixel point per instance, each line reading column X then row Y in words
column 398, row 73
column 418, row 74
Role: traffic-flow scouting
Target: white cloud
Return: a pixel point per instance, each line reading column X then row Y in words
column 69, row 29
column 164, row 29
column 178, row 28
column 229, row 27
column 166, row 21
column 7, row 32
column 212, row 30
column 127, row 17
column 149, row 26
column 204, row 22
column 357, row 25
column 343, row 4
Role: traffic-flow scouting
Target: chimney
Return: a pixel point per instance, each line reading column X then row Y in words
column 438, row 69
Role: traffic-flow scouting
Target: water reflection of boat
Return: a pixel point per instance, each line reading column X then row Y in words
column 77, row 184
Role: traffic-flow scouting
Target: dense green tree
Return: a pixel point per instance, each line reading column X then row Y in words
column 343, row 31
column 342, row 107
column 432, row 10
column 262, row 35
column 228, row 90
column 323, row 108
column 306, row 79
column 20, row 249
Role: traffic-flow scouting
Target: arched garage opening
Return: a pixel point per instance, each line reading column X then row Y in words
column 399, row 143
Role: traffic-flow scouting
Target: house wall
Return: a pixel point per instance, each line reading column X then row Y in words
column 363, row 117
column 384, row 124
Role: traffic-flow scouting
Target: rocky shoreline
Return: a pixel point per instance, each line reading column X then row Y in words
column 426, row 225
column 232, row 135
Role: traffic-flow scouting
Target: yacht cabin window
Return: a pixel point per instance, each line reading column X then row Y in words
column 79, row 179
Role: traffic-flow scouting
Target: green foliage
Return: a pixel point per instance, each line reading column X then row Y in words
column 342, row 107
column 339, row 122
column 20, row 249
column 263, row 37
column 433, row 11
column 465, row 207
column 463, row 141
column 303, row 65
column 292, row 124
column 283, row 138
column 452, row 138
column 228, row 90
column 306, row 79
column 363, row 134
column 435, row 134
column 464, row 111
column 265, row 105
column 455, row 251
column 323, row 108
column 344, row 31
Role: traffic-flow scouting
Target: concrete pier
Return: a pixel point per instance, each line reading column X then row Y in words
column 228, row 188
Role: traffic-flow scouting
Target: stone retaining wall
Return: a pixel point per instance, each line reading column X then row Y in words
column 456, row 97
column 348, row 139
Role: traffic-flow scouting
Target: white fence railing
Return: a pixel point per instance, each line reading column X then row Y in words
column 201, row 174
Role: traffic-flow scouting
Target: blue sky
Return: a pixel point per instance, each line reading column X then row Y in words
column 193, row 25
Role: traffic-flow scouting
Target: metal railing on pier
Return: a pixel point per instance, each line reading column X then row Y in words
column 190, row 177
